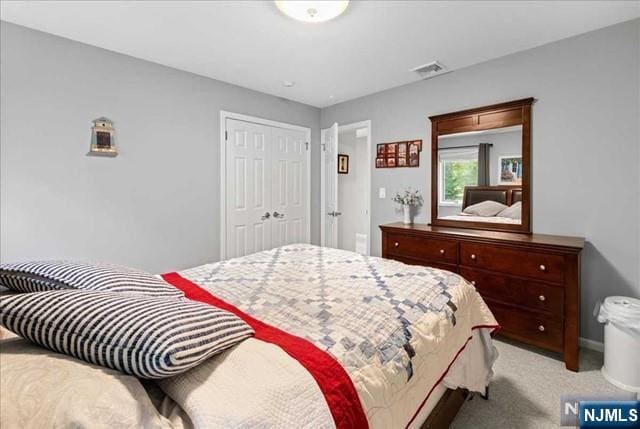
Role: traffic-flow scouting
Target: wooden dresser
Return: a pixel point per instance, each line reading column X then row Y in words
column 531, row 282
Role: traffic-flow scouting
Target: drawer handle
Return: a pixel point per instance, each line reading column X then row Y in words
column 473, row 282
column 542, row 298
column 442, row 251
column 543, row 268
column 396, row 244
column 473, row 256
column 541, row 328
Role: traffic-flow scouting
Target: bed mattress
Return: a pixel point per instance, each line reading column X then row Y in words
column 342, row 340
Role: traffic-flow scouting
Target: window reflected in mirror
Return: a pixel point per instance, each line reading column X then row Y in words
column 480, row 176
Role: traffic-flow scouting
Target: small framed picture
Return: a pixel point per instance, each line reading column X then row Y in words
column 381, row 150
column 402, row 149
column 102, row 138
column 419, row 143
column 402, row 154
column 510, row 170
column 391, row 149
column 343, row 164
column 414, row 154
column 391, row 162
column 380, row 163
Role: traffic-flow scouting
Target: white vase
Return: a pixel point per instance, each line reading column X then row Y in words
column 406, row 209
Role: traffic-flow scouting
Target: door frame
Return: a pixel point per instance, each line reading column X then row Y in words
column 224, row 115
column 342, row 128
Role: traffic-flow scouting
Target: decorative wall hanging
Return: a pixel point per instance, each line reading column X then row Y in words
column 343, row 164
column 510, row 170
column 399, row 154
column 102, row 138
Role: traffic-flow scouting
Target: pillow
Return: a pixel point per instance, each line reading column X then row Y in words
column 43, row 389
column 485, row 209
column 149, row 337
column 513, row 212
column 41, row 276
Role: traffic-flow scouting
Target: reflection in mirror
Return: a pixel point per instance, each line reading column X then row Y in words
column 480, row 176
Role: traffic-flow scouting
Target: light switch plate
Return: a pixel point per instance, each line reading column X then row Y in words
column 382, row 193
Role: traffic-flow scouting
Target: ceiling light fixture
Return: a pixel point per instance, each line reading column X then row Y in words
column 312, row 11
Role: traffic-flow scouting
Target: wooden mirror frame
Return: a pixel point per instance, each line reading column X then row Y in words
column 501, row 115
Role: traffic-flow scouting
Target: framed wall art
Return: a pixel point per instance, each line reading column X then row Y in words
column 398, row 154
column 343, row 164
column 510, row 169
column 414, row 153
column 102, row 138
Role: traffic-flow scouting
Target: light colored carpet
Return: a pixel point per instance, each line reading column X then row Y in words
column 526, row 389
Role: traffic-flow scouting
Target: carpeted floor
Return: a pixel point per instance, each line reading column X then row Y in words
column 526, row 389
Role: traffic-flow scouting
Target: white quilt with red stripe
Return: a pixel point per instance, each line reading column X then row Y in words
column 342, row 340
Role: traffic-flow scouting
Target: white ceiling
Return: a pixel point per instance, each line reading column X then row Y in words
column 368, row 49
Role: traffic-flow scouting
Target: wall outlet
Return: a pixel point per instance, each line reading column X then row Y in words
column 382, row 193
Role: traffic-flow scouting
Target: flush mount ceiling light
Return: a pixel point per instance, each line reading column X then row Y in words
column 312, row 11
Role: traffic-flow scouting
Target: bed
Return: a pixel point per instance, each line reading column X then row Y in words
column 341, row 340
column 507, row 195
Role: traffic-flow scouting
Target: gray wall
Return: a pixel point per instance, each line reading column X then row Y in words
column 155, row 206
column 585, row 125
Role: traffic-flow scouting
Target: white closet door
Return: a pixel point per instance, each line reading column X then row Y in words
column 248, row 188
column 330, row 177
column 288, row 187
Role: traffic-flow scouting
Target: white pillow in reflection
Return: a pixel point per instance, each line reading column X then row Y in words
column 485, row 209
column 513, row 212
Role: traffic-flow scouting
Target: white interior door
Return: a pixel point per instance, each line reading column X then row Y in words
column 289, row 186
column 248, row 188
column 330, row 184
column 266, row 187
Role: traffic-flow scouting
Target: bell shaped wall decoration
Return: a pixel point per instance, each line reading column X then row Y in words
column 102, row 138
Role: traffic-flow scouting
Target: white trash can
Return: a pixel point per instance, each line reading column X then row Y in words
column 621, row 316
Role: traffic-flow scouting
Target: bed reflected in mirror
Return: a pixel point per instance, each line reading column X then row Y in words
column 480, row 176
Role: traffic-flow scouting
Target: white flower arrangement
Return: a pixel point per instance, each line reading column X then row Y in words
column 409, row 197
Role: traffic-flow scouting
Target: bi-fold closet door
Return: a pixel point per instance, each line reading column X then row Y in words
column 266, row 187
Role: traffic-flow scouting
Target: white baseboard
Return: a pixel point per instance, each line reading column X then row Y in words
column 591, row 344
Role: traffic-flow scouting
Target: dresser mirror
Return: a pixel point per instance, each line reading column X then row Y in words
column 481, row 168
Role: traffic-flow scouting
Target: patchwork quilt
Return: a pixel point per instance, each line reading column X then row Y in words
column 395, row 329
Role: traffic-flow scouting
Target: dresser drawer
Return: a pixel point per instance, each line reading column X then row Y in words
column 432, row 249
column 537, row 265
column 411, row 261
column 528, row 326
column 511, row 290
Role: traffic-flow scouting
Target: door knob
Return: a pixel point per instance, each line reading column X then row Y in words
column 543, row 268
column 473, row 256
column 278, row 215
column 542, row 298
column 541, row 328
column 442, row 251
column 265, row 216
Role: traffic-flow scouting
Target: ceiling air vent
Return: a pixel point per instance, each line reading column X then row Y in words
column 429, row 70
